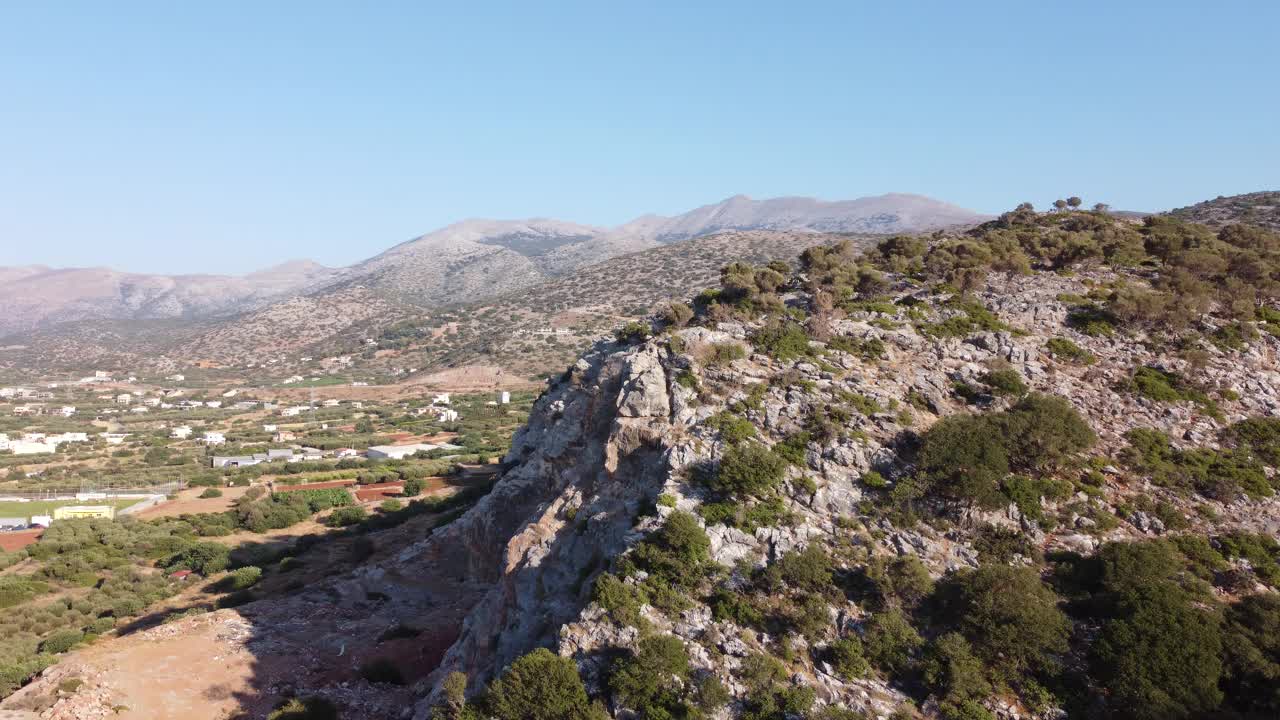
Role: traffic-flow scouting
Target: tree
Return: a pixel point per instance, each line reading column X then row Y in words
column 1074, row 202
column 1159, row 658
column 890, row 641
column 1010, row 617
column 963, row 457
column 1059, row 205
column 540, row 686
column 1102, row 208
column 1252, row 645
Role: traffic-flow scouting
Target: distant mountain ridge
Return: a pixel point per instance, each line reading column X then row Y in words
column 460, row 263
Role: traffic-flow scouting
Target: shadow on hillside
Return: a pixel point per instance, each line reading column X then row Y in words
column 332, row 617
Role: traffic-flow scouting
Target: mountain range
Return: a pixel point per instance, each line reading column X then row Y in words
column 464, row 262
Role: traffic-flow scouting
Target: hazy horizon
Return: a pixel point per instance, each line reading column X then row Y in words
column 167, row 139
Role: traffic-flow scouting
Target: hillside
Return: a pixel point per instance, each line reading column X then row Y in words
column 1025, row 471
column 1258, row 208
column 541, row 329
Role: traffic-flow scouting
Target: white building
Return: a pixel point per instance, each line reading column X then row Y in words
column 23, row 447
column 397, row 452
column 331, row 403
column 504, row 398
column 213, row 438
column 4, row 441
column 213, row 404
column 441, row 399
column 269, row 428
column 181, row 432
column 67, row 410
column 176, row 377
column 113, row 438
column 124, row 399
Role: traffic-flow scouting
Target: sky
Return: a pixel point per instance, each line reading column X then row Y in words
column 227, row 137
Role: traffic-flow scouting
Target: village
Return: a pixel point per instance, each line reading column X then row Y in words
column 115, row 446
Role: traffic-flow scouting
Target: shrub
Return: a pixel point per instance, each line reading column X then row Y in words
column 677, row 553
column 954, row 673
column 652, row 680
column 809, row 569
column 782, row 341
column 723, row 354
column 890, row 641
column 963, row 458
column 873, row 479
column 391, row 505
column 413, row 487
column 1010, row 617
column 847, row 658
column 1251, row 640
column 748, row 469
column 61, row 641
column 210, row 493
column 1041, row 431
column 205, row 558
column 540, row 686
column 633, row 332
column 242, row 578
column 733, row 428
column 1064, row 349
column 621, row 600
column 1005, row 382
column 305, row 709
column 1159, row 656
column 342, row 517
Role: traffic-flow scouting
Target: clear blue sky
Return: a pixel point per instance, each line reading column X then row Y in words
column 228, row 136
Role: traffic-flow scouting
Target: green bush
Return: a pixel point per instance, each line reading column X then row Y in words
column 963, row 458
column 677, row 553
column 1159, row 656
column 721, row 354
column 1005, row 382
column 955, row 674
column 61, row 641
column 313, row 708
column 847, row 658
column 205, row 558
column 891, row 642
column 1010, row 617
column 243, row 578
column 653, row 679
column 413, row 486
column 782, row 341
column 1251, row 641
column 1064, row 349
column 345, row 516
column 540, row 686
column 748, row 469
column 210, row 493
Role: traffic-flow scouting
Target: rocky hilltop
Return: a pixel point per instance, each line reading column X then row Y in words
column 1026, row 471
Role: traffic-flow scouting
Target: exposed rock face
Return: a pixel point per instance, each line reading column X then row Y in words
column 592, row 454
column 618, row 430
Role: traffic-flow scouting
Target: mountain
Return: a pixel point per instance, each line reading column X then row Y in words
column 843, row 492
column 36, row 297
column 891, row 213
column 1256, row 208
column 461, row 263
